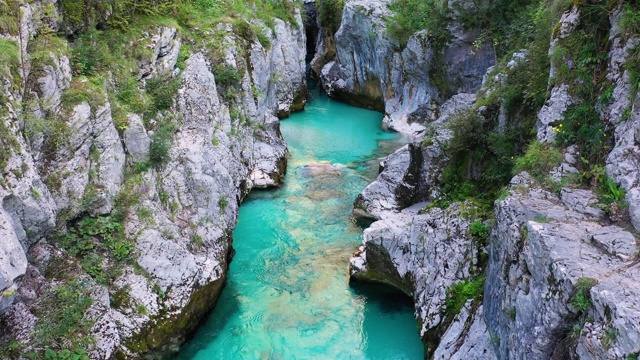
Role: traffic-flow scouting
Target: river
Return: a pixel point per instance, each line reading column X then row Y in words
column 288, row 294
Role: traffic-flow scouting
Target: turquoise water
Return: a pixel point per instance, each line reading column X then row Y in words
column 288, row 293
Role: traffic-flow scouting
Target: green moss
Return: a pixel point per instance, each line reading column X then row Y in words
column 459, row 293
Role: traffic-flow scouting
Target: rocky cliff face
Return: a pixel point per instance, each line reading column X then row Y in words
column 370, row 68
column 560, row 267
column 176, row 218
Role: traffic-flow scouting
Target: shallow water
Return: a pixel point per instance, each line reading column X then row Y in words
column 288, row 293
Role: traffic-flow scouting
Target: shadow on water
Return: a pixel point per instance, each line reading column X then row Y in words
column 229, row 304
column 388, row 299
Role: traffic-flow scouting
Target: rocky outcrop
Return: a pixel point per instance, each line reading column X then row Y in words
column 559, row 274
column 395, row 186
column 423, row 255
column 623, row 163
column 543, row 250
column 178, row 217
column 372, row 70
column 412, row 173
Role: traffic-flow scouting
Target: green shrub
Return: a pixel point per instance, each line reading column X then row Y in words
column 582, row 126
column 223, row 203
column 581, row 299
column 226, row 75
column 8, row 143
column 460, row 292
column 538, row 160
column 411, row 16
column 197, row 240
column 60, row 318
column 75, row 354
column 610, row 337
column 611, row 192
column 102, row 233
column 330, row 14
column 10, row 59
column 581, row 63
column 480, row 157
column 82, row 89
column 161, row 143
column 479, row 231
column 9, row 17
column 630, row 20
column 162, row 89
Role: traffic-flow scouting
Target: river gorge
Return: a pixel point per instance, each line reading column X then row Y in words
column 288, row 293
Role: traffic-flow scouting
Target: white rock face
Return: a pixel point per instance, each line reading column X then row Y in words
column 370, row 70
column 55, row 80
column 165, row 43
column 412, row 173
column 92, row 162
column 423, row 255
column 552, row 113
column 183, row 244
column 623, row 162
column 13, row 261
column 395, row 186
column 540, row 249
column 136, row 139
column 466, row 338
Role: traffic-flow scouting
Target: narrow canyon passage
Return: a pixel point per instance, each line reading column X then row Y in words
column 287, row 295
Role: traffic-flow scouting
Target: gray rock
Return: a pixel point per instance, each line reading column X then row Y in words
column 26, row 199
column 540, row 249
column 136, row 140
column 13, row 261
column 623, row 162
column 466, row 338
column 54, row 81
column 569, row 21
column 94, row 156
column 394, row 188
column 551, row 114
column 412, row 173
column 370, row 71
column 165, row 44
column 422, row 255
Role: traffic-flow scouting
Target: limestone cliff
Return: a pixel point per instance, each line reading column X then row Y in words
column 144, row 291
column 554, row 256
column 371, row 69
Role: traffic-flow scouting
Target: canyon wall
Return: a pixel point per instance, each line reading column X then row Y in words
column 166, row 271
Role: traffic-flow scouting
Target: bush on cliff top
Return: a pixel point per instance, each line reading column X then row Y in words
column 330, row 14
column 411, row 16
